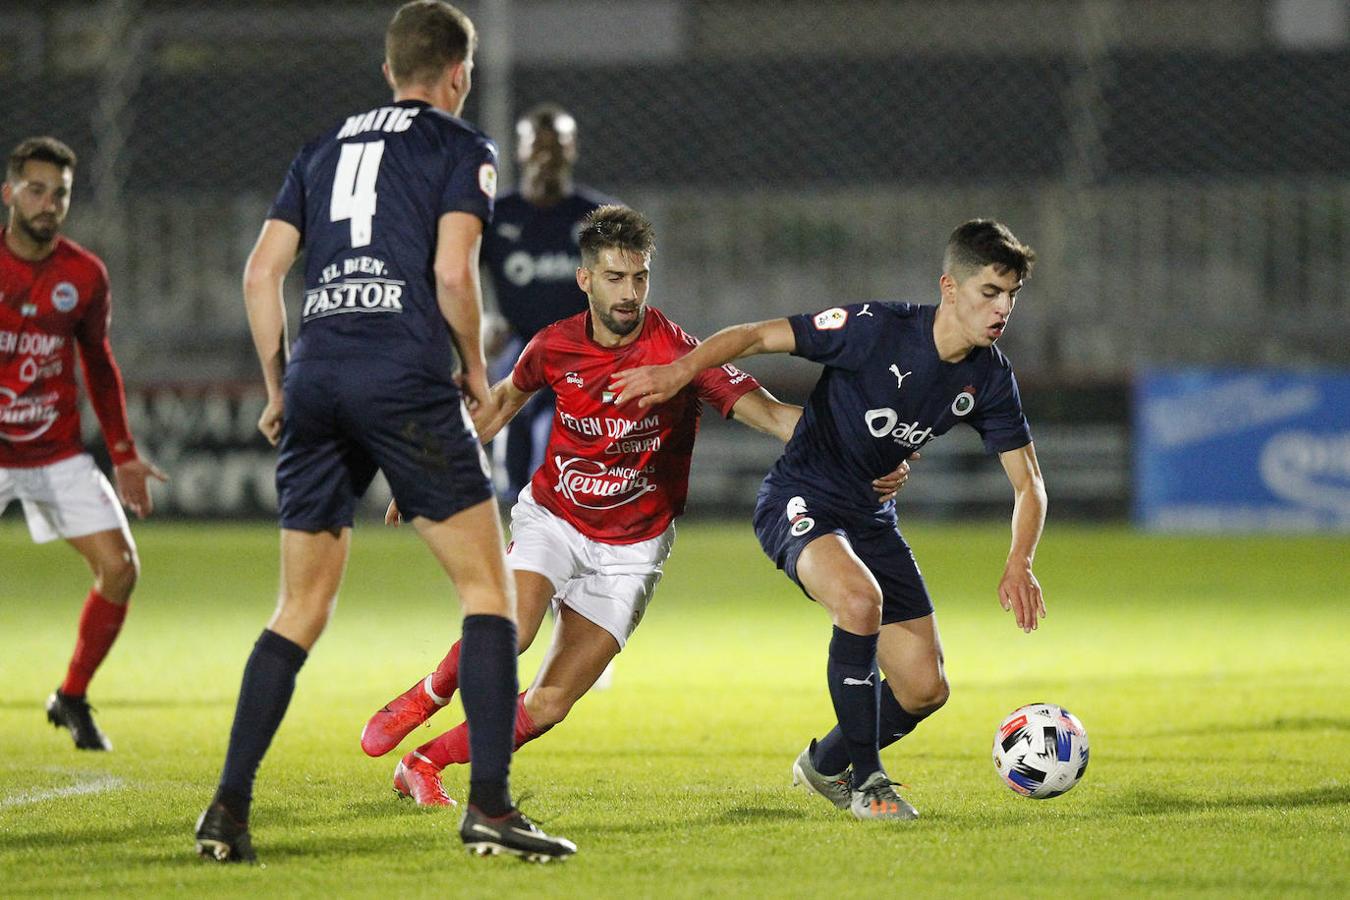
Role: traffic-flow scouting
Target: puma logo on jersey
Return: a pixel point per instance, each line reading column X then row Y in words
column 899, row 379
column 865, row 311
column 852, row 681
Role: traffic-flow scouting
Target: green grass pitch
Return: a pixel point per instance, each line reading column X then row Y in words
column 1212, row 675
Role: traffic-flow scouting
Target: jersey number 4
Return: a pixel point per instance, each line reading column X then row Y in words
column 354, row 188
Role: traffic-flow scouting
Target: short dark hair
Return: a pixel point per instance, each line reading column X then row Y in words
column 43, row 149
column 424, row 37
column 984, row 242
column 618, row 227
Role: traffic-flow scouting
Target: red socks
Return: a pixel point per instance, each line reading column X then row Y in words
column 453, row 746
column 99, row 624
column 445, row 680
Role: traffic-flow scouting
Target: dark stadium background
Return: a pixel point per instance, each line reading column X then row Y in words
column 1182, row 168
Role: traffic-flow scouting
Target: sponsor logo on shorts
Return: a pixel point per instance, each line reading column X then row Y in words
column 831, row 319
column 65, row 297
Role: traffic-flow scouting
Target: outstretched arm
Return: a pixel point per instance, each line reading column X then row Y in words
column 650, row 385
column 507, row 400
column 1018, row 589
column 264, row 273
column 762, row 411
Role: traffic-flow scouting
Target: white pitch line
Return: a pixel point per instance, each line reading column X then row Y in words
column 79, row 788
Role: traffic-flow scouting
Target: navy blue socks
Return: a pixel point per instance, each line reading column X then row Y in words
column 269, row 681
column 487, row 687
column 854, row 690
column 893, row 722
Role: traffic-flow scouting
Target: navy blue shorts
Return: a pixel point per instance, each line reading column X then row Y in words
column 347, row 419
column 787, row 520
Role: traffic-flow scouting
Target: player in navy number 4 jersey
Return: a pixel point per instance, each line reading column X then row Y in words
column 896, row 376
column 390, row 206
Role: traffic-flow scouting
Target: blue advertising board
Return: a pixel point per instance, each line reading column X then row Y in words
column 1242, row 450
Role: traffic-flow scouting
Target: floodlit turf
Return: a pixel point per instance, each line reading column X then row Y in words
column 1212, row 675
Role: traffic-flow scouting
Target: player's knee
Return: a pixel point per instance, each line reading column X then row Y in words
column 925, row 698
column 116, row 575
column 858, row 610
column 548, row 706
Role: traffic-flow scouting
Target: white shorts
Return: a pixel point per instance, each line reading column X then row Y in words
column 67, row 499
column 608, row 584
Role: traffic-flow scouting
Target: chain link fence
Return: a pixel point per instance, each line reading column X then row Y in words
column 1182, row 168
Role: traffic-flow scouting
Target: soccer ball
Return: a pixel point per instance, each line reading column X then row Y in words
column 1041, row 750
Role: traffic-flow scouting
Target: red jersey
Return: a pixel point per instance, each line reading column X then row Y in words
column 618, row 475
column 46, row 308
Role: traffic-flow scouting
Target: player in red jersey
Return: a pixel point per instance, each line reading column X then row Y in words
column 592, row 530
column 54, row 296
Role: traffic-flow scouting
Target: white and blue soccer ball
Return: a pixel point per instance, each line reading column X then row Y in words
column 1041, row 750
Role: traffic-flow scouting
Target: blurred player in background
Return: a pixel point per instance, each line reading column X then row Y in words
column 591, row 532
column 54, row 295
column 532, row 253
column 896, row 375
column 390, row 206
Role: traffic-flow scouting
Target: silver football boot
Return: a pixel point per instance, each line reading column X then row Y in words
column 876, row 799
column 834, row 788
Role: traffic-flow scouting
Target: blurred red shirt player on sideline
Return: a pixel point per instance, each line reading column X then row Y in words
column 54, row 295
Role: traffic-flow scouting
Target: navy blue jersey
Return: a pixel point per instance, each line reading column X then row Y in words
column 367, row 196
column 532, row 254
column 885, row 393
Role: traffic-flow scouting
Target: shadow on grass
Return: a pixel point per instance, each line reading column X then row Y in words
column 1148, row 803
column 753, row 815
column 38, row 703
column 1278, row 725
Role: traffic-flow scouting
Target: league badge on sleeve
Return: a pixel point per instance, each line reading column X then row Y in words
column 831, row 319
column 487, row 180
column 965, row 401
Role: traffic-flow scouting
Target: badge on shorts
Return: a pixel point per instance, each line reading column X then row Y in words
column 65, row 297
column 796, row 513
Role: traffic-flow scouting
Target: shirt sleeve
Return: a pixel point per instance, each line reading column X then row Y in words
column 102, row 377
column 837, row 336
column 289, row 206
column 529, row 374
column 472, row 185
column 723, row 386
column 998, row 417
